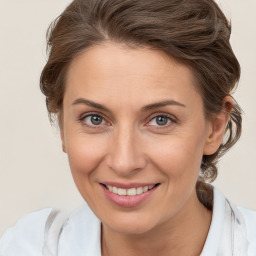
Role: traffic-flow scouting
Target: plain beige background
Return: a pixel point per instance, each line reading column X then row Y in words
column 34, row 172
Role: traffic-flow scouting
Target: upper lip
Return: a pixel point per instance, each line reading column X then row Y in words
column 128, row 185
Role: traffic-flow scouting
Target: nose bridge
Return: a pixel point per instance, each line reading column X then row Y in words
column 125, row 155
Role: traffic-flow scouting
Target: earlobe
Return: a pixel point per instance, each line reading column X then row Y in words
column 217, row 127
column 62, row 140
column 60, row 122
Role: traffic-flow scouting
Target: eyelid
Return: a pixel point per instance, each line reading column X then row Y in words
column 85, row 115
column 150, row 118
column 171, row 117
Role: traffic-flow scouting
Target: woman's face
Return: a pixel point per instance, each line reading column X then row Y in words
column 133, row 124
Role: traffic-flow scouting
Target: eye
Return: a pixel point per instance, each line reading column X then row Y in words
column 94, row 120
column 160, row 120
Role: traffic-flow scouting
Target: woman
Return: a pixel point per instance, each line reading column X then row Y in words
column 142, row 94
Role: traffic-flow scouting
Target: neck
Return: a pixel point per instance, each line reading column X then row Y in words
column 184, row 234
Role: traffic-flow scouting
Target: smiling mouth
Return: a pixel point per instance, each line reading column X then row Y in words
column 130, row 191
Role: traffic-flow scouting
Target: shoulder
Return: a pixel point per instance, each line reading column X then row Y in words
column 250, row 222
column 27, row 236
column 83, row 228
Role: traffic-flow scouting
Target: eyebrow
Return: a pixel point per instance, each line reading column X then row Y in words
column 162, row 104
column 90, row 103
column 144, row 109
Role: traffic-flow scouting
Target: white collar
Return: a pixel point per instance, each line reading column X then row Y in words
column 84, row 230
column 214, row 236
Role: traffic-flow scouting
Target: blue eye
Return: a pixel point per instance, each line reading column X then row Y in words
column 160, row 120
column 94, row 120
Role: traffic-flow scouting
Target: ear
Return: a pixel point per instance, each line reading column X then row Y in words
column 217, row 127
column 60, row 122
column 62, row 140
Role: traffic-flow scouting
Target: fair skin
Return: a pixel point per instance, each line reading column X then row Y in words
column 146, row 128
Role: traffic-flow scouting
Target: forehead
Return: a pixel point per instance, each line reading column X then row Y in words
column 110, row 70
column 133, row 61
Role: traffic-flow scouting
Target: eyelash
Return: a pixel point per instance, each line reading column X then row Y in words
column 82, row 120
column 170, row 118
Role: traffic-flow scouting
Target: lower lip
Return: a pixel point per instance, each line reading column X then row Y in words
column 128, row 201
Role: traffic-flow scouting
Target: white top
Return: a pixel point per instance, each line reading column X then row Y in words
column 81, row 233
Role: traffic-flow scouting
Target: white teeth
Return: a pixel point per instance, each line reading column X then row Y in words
column 139, row 191
column 145, row 189
column 130, row 191
column 121, row 192
column 114, row 190
column 110, row 188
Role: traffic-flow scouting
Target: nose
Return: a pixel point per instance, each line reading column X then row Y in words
column 126, row 154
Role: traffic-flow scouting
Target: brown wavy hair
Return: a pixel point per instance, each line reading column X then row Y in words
column 194, row 32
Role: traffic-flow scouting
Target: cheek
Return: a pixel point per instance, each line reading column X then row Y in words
column 178, row 157
column 85, row 153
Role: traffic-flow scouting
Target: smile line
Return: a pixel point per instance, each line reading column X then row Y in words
column 130, row 191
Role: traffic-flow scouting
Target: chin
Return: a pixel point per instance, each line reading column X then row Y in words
column 130, row 225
